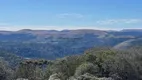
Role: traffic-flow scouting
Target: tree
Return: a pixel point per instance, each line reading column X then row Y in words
column 86, row 68
column 5, row 72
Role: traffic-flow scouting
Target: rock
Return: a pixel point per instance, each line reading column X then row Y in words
column 22, row 79
column 54, row 77
column 88, row 76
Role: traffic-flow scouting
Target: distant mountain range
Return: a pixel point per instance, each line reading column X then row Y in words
column 51, row 44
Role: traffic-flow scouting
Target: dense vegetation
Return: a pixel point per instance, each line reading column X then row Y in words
column 52, row 44
column 94, row 64
column 12, row 59
column 57, row 55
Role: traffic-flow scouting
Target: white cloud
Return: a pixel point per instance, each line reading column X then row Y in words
column 119, row 21
column 16, row 28
column 59, row 28
column 70, row 15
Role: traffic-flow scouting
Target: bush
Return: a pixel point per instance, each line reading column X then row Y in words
column 86, row 68
column 5, row 72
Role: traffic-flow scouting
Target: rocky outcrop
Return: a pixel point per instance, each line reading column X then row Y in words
column 55, row 77
column 22, row 79
column 88, row 76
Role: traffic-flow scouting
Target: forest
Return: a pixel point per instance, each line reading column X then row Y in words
column 100, row 63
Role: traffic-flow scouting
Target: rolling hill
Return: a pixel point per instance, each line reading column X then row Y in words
column 52, row 44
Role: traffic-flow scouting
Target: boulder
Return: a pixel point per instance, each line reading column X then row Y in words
column 55, row 77
column 22, row 79
column 88, row 76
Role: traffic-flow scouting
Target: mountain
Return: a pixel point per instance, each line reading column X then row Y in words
column 52, row 44
column 129, row 43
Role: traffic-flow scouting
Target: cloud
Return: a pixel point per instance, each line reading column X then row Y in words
column 16, row 27
column 119, row 21
column 70, row 15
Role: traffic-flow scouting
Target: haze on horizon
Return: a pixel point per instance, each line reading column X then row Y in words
column 70, row 14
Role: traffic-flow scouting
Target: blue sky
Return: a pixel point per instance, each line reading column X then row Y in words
column 70, row 14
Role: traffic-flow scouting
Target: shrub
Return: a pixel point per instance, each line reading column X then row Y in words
column 86, row 68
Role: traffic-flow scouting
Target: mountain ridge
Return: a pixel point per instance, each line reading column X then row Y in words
column 52, row 44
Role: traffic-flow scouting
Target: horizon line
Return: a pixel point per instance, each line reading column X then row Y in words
column 72, row 29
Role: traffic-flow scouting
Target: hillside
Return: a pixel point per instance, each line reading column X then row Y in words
column 52, row 44
column 11, row 59
column 93, row 64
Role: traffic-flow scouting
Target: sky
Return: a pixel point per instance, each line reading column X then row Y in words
column 70, row 14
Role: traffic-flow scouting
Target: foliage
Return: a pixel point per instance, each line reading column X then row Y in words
column 5, row 72
column 86, row 68
column 13, row 60
column 94, row 64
